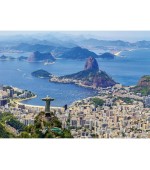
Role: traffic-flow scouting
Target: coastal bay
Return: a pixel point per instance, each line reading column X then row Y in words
column 126, row 70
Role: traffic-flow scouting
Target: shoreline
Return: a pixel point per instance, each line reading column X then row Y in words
column 75, row 83
column 117, row 53
column 30, row 105
column 19, row 101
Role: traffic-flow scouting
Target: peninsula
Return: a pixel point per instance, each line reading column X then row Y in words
column 91, row 76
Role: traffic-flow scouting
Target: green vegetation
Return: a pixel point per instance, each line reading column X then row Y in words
column 4, row 119
column 143, row 86
column 146, row 77
column 13, row 122
column 66, row 134
column 29, row 93
column 17, row 92
column 145, row 91
column 126, row 100
column 41, row 74
column 78, row 53
column 8, row 87
column 4, row 133
column 94, row 135
column 42, row 128
column 98, row 102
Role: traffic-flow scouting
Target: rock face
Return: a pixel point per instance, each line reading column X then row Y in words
column 37, row 56
column 91, row 64
column 101, row 79
column 144, row 81
column 143, row 86
column 91, row 76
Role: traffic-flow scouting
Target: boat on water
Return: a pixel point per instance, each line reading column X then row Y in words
column 19, row 69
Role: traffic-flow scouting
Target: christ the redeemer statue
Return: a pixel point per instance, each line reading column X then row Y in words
column 47, row 106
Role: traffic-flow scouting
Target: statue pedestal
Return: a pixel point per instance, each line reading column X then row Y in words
column 47, row 115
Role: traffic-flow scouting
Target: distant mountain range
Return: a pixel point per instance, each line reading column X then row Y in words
column 63, row 52
column 78, row 53
column 83, row 53
column 59, row 51
column 117, row 43
column 31, row 48
column 65, row 39
column 95, row 43
column 56, row 51
column 81, row 50
column 44, row 46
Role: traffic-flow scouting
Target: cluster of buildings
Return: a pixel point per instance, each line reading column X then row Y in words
column 117, row 118
column 5, row 94
column 147, row 101
column 8, row 103
column 24, row 114
column 8, row 93
column 123, row 114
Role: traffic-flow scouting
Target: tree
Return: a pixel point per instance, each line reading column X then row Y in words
column 97, row 101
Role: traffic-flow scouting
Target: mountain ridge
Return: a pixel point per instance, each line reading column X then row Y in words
column 38, row 57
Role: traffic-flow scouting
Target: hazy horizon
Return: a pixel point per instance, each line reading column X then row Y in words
column 131, row 36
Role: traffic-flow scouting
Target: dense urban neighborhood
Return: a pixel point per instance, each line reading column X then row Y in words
column 116, row 112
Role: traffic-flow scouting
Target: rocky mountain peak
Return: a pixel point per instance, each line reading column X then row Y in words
column 144, row 81
column 91, row 64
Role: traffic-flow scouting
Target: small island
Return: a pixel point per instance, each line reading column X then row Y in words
column 3, row 58
column 22, row 58
column 41, row 74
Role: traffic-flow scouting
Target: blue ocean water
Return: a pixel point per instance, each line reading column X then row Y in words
column 129, row 68
column 126, row 70
column 18, row 74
